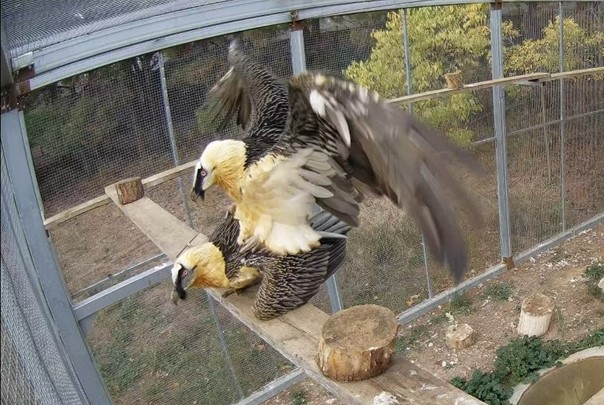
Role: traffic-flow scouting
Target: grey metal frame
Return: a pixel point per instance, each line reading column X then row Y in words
column 49, row 275
column 298, row 66
column 500, row 135
column 100, row 48
column 105, row 46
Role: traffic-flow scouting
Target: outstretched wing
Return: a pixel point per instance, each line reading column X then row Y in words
column 388, row 150
column 291, row 281
column 251, row 94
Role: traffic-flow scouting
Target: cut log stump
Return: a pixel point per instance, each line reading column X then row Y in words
column 535, row 315
column 357, row 343
column 460, row 336
column 130, row 190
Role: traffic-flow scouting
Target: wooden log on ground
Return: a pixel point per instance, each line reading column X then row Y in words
column 535, row 315
column 459, row 336
column 357, row 343
column 129, row 190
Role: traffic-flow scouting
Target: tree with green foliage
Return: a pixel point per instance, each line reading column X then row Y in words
column 446, row 39
column 441, row 40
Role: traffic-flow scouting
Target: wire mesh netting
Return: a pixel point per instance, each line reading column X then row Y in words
column 33, row 24
column 34, row 369
column 91, row 130
column 150, row 351
column 551, row 166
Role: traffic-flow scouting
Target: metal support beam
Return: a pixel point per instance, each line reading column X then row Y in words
column 158, row 58
column 410, row 109
column 51, row 281
column 5, row 64
column 296, row 41
column 562, row 120
column 500, row 131
column 274, row 387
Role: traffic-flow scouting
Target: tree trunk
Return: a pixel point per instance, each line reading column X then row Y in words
column 357, row 343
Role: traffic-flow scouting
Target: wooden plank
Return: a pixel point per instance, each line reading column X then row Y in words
column 77, row 210
column 469, row 87
column 167, row 175
column 296, row 334
column 148, row 182
column 575, row 73
column 164, row 229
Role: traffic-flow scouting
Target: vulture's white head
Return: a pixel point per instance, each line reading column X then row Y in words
column 198, row 267
column 220, row 163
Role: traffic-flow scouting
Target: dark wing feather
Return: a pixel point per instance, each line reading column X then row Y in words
column 255, row 96
column 291, row 281
column 388, row 150
column 224, row 237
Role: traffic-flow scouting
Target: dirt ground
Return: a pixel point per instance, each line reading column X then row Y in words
column 95, row 244
column 556, row 273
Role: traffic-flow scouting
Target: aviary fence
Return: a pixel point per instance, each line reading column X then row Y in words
column 532, row 112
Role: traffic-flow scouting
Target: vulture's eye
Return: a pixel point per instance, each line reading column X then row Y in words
column 203, row 173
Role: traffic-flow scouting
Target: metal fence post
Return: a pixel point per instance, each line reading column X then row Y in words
column 296, row 41
column 562, row 119
column 52, row 285
column 160, row 62
column 159, row 59
column 500, row 131
column 410, row 108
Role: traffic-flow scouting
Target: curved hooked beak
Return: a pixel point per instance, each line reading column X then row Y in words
column 181, row 278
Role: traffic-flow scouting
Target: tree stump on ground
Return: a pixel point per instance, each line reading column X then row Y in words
column 129, row 190
column 357, row 343
column 535, row 315
column 460, row 336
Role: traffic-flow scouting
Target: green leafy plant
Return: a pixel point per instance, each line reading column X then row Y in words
column 299, row 397
column 518, row 362
column 594, row 272
column 499, row 291
column 520, row 359
column 442, row 40
column 461, row 303
column 484, row 386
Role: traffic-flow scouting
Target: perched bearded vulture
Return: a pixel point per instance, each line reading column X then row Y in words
column 337, row 137
column 286, row 282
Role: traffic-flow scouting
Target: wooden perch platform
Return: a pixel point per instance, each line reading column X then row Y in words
column 296, row 334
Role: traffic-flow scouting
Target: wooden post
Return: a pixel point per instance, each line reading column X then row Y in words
column 129, row 190
column 535, row 315
column 454, row 80
column 357, row 343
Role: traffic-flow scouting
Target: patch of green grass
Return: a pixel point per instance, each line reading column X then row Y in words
column 461, row 303
column 499, row 291
column 411, row 337
column 485, row 387
column 520, row 359
column 595, row 272
column 299, row 397
column 438, row 319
